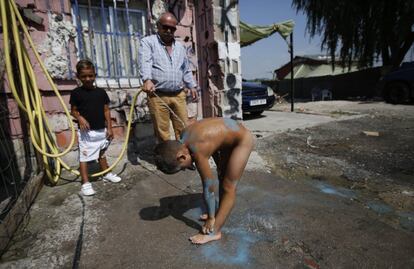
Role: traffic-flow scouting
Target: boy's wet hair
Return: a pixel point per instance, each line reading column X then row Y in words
column 166, row 156
column 84, row 64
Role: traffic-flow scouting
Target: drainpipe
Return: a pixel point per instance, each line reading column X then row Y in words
column 149, row 17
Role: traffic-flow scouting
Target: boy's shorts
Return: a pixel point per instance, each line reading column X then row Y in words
column 90, row 144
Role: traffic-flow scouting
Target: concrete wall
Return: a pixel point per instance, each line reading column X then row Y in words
column 350, row 85
column 208, row 29
column 219, row 57
column 53, row 38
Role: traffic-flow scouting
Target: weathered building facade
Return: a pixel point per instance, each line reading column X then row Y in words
column 108, row 32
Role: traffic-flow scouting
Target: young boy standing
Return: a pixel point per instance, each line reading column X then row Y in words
column 90, row 107
column 230, row 144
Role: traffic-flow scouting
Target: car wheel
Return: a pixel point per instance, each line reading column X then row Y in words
column 257, row 113
column 397, row 93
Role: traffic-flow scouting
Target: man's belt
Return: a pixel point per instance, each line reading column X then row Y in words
column 167, row 92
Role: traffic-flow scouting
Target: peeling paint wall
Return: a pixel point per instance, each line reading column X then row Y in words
column 215, row 61
column 51, row 29
column 54, row 48
column 53, row 36
column 158, row 8
column 219, row 53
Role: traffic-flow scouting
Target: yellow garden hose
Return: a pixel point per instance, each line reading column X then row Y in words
column 30, row 99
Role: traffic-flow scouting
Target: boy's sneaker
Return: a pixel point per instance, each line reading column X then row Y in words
column 87, row 189
column 112, row 178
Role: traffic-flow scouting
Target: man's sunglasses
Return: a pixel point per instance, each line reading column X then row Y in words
column 167, row 27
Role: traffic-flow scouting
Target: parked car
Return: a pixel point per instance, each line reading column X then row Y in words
column 397, row 87
column 256, row 97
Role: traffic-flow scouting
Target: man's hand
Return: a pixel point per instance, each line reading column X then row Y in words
column 83, row 124
column 109, row 133
column 149, row 86
column 194, row 94
column 208, row 227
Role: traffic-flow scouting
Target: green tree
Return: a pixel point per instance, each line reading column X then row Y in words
column 366, row 30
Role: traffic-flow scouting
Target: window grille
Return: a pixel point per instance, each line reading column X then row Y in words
column 17, row 161
column 109, row 36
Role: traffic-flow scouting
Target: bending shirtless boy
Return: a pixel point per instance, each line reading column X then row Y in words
column 230, row 144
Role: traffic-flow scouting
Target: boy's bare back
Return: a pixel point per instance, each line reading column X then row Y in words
column 209, row 135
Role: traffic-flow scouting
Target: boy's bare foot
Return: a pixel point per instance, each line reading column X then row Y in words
column 203, row 217
column 200, row 239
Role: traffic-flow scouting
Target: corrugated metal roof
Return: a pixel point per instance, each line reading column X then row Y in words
column 306, row 71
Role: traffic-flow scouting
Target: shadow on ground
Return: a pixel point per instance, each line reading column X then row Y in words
column 174, row 206
column 247, row 117
column 140, row 145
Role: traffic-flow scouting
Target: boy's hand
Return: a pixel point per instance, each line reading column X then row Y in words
column 109, row 134
column 83, row 124
column 208, row 227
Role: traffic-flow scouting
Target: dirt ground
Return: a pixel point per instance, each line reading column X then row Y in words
column 336, row 195
column 373, row 154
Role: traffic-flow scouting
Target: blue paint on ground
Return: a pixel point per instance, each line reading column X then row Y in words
column 243, row 188
column 194, row 213
column 338, row 191
column 379, row 207
column 232, row 124
column 218, row 254
column 409, row 214
column 407, row 220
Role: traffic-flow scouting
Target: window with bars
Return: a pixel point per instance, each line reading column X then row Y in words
column 108, row 34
